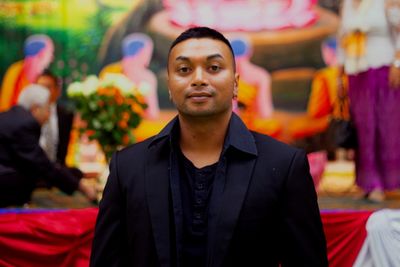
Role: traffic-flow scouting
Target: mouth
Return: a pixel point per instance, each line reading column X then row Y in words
column 199, row 96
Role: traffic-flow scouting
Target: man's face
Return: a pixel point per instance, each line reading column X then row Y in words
column 201, row 77
column 50, row 84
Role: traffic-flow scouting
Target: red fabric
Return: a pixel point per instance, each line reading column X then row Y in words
column 63, row 238
column 345, row 234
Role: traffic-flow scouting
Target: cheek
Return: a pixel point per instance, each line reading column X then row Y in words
column 177, row 84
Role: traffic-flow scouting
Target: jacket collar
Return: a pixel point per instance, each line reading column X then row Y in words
column 238, row 136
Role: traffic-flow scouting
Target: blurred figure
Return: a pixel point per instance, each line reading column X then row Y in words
column 56, row 132
column 22, row 161
column 38, row 52
column 252, row 75
column 370, row 56
column 137, row 49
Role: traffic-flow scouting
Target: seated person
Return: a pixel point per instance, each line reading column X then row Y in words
column 22, row 160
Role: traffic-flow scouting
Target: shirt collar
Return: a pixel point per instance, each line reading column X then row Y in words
column 238, row 136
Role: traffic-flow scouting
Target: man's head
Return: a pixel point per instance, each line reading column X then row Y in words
column 201, row 73
column 35, row 98
column 50, row 81
column 40, row 49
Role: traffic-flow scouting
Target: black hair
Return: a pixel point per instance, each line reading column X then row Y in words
column 202, row 32
column 49, row 73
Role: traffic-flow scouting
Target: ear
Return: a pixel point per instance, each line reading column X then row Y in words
column 236, row 86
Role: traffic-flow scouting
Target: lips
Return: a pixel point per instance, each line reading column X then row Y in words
column 199, row 96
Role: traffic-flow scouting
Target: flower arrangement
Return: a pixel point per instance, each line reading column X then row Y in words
column 110, row 108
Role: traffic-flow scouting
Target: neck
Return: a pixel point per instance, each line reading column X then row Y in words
column 202, row 139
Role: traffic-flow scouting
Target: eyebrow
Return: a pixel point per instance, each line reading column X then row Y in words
column 213, row 56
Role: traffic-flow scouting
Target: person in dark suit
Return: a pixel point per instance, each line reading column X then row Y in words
column 206, row 191
column 56, row 132
column 22, row 160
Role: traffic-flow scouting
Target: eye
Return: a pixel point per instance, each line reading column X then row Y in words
column 183, row 69
column 214, row 68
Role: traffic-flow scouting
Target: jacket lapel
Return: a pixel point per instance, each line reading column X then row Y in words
column 157, row 194
column 224, row 215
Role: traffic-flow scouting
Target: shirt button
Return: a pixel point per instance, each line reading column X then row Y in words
column 200, row 186
column 197, row 215
column 199, row 201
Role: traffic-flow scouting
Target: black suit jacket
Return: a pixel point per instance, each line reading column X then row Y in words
column 65, row 120
column 266, row 214
column 21, row 153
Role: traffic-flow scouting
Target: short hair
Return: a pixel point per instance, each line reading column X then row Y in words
column 33, row 94
column 49, row 73
column 202, row 32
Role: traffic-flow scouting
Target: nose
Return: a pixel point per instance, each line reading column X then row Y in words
column 199, row 78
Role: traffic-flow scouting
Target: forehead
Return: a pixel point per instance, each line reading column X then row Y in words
column 200, row 48
column 47, row 80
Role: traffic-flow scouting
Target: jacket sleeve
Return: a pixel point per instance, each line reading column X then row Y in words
column 109, row 238
column 32, row 160
column 303, row 239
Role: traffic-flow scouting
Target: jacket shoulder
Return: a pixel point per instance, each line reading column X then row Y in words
column 138, row 151
column 17, row 119
column 268, row 144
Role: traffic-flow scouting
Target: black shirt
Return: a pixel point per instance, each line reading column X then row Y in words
column 196, row 185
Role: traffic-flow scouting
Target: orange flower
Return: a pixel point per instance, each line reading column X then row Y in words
column 125, row 116
column 90, row 132
column 122, row 124
column 140, row 98
column 137, row 108
column 119, row 99
column 125, row 139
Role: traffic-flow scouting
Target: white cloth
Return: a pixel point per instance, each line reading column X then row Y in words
column 382, row 245
column 370, row 18
column 49, row 134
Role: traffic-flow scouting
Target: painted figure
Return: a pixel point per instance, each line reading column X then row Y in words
column 137, row 49
column 38, row 52
column 252, row 77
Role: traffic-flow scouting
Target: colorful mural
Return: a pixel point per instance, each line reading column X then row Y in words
column 88, row 35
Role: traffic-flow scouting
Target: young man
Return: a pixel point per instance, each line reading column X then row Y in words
column 206, row 191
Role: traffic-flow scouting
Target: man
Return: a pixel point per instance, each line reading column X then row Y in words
column 22, row 160
column 56, row 132
column 206, row 191
column 38, row 51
